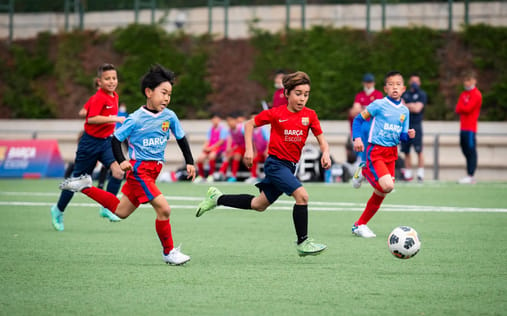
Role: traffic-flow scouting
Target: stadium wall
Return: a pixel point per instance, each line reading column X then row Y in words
column 195, row 20
column 491, row 139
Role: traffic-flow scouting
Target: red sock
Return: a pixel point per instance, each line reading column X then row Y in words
column 200, row 167
column 212, row 166
column 163, row 228
column 223, row 168
column 253, row 170
column 106, row 199
column 371, row 208
column 235, row 167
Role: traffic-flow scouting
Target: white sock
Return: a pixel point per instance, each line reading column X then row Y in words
column 408, row 173
column 420, row 173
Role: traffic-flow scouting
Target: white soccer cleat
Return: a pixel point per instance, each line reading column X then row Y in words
column 358, row 177
column 252, row 180
column 467, row 180
column 363, row 231
column 76, row 184
column 175, row 257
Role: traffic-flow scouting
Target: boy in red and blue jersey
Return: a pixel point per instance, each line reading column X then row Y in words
column 290, row 126
column 389, row 125
column 212, row 149
column 95, row 144
column 147, row 131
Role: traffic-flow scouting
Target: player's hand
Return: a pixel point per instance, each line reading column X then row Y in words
column 411, row 133
column 191, row 172
column 125, row 165
column 325, row 160
column 358, row 145
column 248, row 158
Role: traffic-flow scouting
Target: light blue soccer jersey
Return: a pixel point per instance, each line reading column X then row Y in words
column 388, row 121
column 147, row 133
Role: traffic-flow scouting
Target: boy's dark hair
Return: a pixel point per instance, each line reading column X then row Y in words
column 415, row 74
column 103, row 68
column 155, row 76
column 214, row 114
column 290, row 81
column 392, row 74
column 280, row 72
column 469, row 74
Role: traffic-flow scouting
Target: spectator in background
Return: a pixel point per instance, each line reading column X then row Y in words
column 214, row 146
column 260, row 142
column 235, row 148
column 468, row 109
column 361, row 101
column 279, row 98
column 415, row 100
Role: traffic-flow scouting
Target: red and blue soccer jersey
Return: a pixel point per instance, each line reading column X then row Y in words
column 289, row 130
column 389, row 120
column 104, row 104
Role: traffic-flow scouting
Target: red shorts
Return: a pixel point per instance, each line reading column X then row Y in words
column 380, row 161
column 237, row 150
column 140, row 185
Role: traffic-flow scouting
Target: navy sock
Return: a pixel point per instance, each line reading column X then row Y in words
column 242, row 201
column 113, row 185
column 300, row 217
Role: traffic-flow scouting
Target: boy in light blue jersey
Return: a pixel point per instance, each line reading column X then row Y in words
column 389, row 124
column 147, row 131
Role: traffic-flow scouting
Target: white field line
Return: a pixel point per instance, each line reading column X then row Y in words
column 280, row 205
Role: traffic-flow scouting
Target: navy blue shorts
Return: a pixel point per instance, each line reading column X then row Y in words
column 417, row 141
column 90, row 150
column 279, row 178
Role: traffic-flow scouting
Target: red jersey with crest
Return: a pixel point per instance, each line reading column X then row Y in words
column 101, row 103
column 469, row 108
column 289, row 130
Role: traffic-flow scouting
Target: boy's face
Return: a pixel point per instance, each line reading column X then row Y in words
column 159, row 98
column 279, row 81
column 394, row 87
column 215, row 120
column 108, row 81
column 231, row 122
column 298, row 97
column 469, row 83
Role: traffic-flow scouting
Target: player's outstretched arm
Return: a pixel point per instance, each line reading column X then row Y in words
column 187, row 154
column 324, row 148
column 249, row 153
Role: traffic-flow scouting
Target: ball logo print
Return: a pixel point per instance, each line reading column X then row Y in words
column 404, row 242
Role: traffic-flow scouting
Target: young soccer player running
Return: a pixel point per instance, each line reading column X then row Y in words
column 289, row 130
column 147, row 131
column 95, row 144
column 389, row 125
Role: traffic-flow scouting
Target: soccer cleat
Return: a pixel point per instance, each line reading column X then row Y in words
column 467, row 180
column 232, row 179
column 175, row 257
column 309, row 248
column 358, row 177
column 252, row 180
column 199, row 179
column 76, row 184
column 210, row 179
column 105, row 213
column 210, row 202
column 362, row 231
column 56, row 218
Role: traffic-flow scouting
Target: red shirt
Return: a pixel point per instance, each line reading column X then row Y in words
column 279, row 99
column 365, row 100
column 469, row 108
column 101, row 104
column 288, row 130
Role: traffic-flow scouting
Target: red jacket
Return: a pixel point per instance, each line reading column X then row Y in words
column 469, row 108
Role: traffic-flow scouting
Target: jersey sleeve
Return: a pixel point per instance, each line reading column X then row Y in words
column 176, row 128
column 357, row 98
column 95, row 105
column 315, row 126
column 263, row 118
column 424, row 98
column 124, row 131
column 373, row 108
column 406, row 122
column 224, row 133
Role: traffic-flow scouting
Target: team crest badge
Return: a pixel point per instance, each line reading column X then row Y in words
column 165, row 126
column 305, row 121
column 402, row 118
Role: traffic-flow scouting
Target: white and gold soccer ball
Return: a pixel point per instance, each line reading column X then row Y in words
column 404, row 242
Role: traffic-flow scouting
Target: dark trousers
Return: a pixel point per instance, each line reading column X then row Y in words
column 468, row 145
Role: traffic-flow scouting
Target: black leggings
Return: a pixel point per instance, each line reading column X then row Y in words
column 468, row 145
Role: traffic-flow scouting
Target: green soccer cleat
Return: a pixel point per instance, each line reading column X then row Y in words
column 309, row 248
column 210, row 202
column 105, row 213
column 56, row 218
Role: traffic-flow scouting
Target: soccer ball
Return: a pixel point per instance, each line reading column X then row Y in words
column 404, row 242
